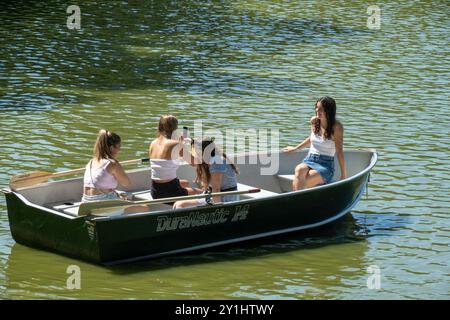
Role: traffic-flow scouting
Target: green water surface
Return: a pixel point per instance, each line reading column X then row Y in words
column 239, row 64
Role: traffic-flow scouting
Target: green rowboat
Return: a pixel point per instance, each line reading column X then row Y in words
column 46, row 216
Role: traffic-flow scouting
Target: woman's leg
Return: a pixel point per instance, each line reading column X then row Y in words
column 137, row 209
column 185, row 204
column 301, row 171
column 313, row 178
column 185, row 184
column 192, row 191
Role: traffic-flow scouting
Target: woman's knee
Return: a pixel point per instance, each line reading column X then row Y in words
column 193, row 191
column 313, row 178
column 184, row 184
column 301, row 170
column 178, row 205
column 185, row 204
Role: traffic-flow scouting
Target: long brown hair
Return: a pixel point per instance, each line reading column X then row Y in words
column 105, row 140
column 203, row 173
column 167, row 125
column 329, row 106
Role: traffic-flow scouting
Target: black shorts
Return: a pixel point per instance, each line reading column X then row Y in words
column 169, row 189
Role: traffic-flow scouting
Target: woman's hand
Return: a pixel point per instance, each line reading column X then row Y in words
column 289, row 149
column 314, row 121
column 343, row 176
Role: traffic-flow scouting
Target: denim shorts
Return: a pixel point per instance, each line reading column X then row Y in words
column 103, row 196
column 322, row 164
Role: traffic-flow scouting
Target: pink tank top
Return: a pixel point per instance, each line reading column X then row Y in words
column 99, row 178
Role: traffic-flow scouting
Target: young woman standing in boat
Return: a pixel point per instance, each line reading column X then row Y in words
column 326, row 141
column 214, row 170
column 164, row 154
column 103, row 172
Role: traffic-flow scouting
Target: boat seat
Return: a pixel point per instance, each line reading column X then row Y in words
column 286, row 181
column 71, row 207
column 68, row 208
column 142, row 195
column 262, row 194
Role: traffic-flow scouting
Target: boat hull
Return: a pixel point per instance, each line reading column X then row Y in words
column 110, row 240
column 37, row 227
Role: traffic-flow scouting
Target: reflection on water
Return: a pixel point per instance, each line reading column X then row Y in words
column 252, row 64
column 298, row 263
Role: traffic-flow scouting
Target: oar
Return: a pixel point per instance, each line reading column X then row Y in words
column 108, row 206
column 36, row 177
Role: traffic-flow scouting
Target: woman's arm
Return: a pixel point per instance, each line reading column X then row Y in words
column 306, row 142
column 180, row 149
column 189, row 155
column 173, row 149
column 300, row 146
column 116, row 170
column 339, row 142
column 216, row 182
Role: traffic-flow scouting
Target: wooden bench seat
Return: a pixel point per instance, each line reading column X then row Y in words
column 71, row 208
column 67, row 207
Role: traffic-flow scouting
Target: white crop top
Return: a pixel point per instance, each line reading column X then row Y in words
column 99, row 177
column 322, row 146
column 163, row 169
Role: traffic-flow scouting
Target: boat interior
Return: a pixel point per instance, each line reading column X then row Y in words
column 273, row 173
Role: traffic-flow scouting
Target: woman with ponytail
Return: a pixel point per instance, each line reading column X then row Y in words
column 104, row 173
column 214, row 170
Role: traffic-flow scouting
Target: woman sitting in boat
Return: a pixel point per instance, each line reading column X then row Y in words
column 164, row 153
column 103, row 172
column 215, row 172
column 326, row 141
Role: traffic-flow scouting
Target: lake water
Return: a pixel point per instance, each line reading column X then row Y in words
column 239, row 64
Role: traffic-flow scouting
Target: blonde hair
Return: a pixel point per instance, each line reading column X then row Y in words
column 167, row 125
column 105, row 140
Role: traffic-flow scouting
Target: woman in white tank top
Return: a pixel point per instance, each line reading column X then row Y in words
column 164, row 163
column 326, row 141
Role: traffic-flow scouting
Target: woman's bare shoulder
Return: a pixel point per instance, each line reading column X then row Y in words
column 338, row 125
column 166, row 143
column 171, row 143
column 113, row 165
